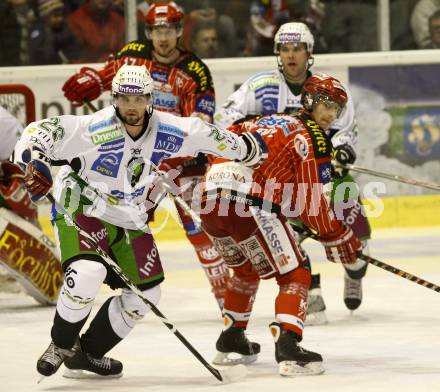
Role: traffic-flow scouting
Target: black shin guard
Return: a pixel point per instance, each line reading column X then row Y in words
column 100, row 337
column 65, row 334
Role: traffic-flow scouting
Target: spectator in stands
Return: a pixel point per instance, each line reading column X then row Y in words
column 419, row 20
column 51, row 40
column 401, row 36
column 16, row 17
column 202, row 13
column 434, row 31
column 268, row 15
column 204, row 41
column 118, row 6
column 350, row 26
column 265, row 18
column 72, row 5
column 98, row 28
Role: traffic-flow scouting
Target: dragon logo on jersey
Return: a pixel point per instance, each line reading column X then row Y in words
column 135, row 169
column 108, row 164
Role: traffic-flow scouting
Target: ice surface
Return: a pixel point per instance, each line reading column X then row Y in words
column 392, row 343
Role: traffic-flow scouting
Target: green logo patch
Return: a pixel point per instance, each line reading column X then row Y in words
column 107, row 136
column 256, row 84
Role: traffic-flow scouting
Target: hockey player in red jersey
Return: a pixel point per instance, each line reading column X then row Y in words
column 245, row 213
column 279, row 91
column 182, row 86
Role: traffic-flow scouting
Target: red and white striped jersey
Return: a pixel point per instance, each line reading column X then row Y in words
column 184, row 88
column 296, row 176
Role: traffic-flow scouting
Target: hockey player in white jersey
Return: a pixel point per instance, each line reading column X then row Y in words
column 279, row 91
column 109, row 174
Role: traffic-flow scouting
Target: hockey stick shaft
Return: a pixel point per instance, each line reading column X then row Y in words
column 393, row 177
column 182, row 203
column 90, row 106
column 380, row 264
column 401, row 273
column 117, row 269
column 366, row 258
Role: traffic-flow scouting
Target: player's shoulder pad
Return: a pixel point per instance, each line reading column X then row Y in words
column 197, row 70
column 138, row 48
column 322, row 145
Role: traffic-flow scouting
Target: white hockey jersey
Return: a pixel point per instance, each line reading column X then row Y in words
column 117, row 168
column 268, row 93
column 10, row 130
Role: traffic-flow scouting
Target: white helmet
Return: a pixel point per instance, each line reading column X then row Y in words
column 132, row 80
column 293, row 32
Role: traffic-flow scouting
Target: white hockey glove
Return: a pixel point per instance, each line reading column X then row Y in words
column 256, row 149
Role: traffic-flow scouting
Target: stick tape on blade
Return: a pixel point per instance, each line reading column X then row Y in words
column 234, row 373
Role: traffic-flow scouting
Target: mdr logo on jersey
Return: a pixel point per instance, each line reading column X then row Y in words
column 168, row 138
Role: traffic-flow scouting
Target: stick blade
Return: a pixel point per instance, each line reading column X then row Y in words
column 234, row 373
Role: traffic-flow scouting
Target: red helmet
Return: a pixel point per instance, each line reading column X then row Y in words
column 164, row 13
column 321, row 86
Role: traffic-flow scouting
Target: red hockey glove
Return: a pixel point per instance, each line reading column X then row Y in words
column 342, row 246
column 85, row 85
column 13, row 191
column 38, row 179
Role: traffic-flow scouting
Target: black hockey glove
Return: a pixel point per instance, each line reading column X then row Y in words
column 257, row 151
column 344, row 154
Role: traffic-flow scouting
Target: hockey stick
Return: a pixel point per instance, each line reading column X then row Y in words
column 312, row 235
column 233, row 374
column 90, row 106
column 182, row 203
column 393, row 177
column 378, row 263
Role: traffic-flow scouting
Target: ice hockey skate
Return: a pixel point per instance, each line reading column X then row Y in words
column 233, row 347
column 315, row 303
column 293, row 360
column 83, row 365
column 353, row 286
column 53, row 358
column 352, row 292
